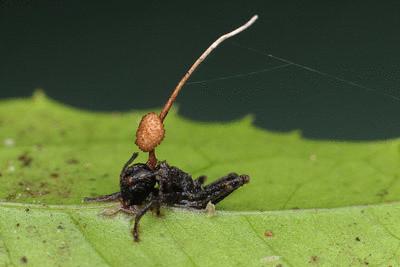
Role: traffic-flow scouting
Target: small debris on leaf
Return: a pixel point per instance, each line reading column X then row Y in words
column 54, row 175
column 9, row 142
column 25, row 160
column 314, row 259
column 210, row 209
column 72, row 161
column 11, row 168
column 268, row 233
column 24, row 259
column 269, row 259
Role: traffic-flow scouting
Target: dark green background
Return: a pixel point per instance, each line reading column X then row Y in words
column 129, row 55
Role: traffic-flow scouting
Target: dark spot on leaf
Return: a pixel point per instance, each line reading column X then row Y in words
column 295, row 208
column 72, row 161
column 64, row 193
column 54, row 175
column 314, row 259
column 1, row 174
column 279, row 265
column 24, row 259
column 25, row 159
column 382, row 193
column 268, row 233
column 11, row 196
column 39, row 146
column 358, row 239
column 44, row 241
column 60, row 227
column 17, row 224
column 27, row 209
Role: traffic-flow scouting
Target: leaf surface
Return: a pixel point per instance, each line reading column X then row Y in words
column 308, row 203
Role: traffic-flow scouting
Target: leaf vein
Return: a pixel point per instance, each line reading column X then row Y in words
column 179, row 245
column 82, row 231
column 266, row 243
column 7, row 250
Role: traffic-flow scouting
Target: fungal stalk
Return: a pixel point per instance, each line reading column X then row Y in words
column 151, row 131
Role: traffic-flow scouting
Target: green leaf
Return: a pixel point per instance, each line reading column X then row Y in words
column 309, row 203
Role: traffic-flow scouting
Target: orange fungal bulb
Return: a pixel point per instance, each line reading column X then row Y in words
column 150, row 132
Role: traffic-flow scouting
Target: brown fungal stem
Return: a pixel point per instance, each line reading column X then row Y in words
column 152, row 161
column 203, row 56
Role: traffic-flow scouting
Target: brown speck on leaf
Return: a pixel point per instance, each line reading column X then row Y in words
column 64, row 193
column 11, row 196
column 268, row 233
column 24, row 259
column 39, row 146
column 54, row 175
column 27, row 209
column 313, row 259
column 25, row 159
column 382, row 193
column 72, row 161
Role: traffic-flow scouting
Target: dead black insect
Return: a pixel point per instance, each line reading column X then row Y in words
column 149, row 186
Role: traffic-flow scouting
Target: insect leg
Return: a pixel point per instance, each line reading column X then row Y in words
column 138, row 216
column 201, row 179
column 111, row 197
column 214, row 192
